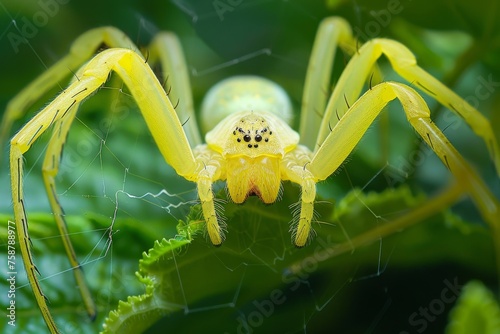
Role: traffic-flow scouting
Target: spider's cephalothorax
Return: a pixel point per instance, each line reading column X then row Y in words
column 252, row 129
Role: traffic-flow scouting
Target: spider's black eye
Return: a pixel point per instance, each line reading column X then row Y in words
column 247, row 138
column 258, row 138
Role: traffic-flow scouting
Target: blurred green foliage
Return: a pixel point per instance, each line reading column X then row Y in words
column 476, row 311
column 376, row 288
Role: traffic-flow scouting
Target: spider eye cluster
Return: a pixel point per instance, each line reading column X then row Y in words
column 252, row 134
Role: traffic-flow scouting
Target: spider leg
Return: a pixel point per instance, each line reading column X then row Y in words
column 166, row 49
column 348, row 131
column 332, row 32
column 213, row 169
column 49, row 171
column 294, row 166
column 156, row 109
column 205, row 193
column 82, row 49
column 404, row 63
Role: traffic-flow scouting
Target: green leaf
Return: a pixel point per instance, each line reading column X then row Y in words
column 157, row 271
column 477, row 311
column 256, row 280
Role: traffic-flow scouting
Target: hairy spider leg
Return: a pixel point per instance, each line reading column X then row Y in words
column 213, row 168
column 333, row 32
column 404, row 63
column 166, row 50
column 81, row 50
column 294, row 166
column 350, row 84
column 342, row 139
column 50, row 169
column 157, row 111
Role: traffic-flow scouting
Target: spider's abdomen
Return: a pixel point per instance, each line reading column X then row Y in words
column 250, row 93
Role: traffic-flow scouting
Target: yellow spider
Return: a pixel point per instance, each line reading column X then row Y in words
column 250, row 144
